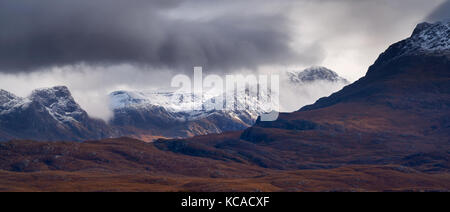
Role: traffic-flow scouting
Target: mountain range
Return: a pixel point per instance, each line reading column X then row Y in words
column 51, row 114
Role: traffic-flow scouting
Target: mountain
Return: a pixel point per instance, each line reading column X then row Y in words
column 48, row 114
column 314, row 74
column 407, row 60
column 399, row 113
column 143, row 115
column 171, row 114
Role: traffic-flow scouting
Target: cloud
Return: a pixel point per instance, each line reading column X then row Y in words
column 441, row 13
column 156, row 33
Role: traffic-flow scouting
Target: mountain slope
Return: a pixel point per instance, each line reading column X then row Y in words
column 402, row 105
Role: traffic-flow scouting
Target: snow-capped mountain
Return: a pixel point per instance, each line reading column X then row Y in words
column 182, row 105
column 179, row 105
column 427, row 39
column 59, row 103
column 172, row 114
column 314, row 74
column 53, row 114
column 47, row 114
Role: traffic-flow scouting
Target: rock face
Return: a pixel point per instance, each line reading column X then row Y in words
column 48, row 114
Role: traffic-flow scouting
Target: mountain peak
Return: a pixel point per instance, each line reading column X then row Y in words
column 315, row 73
column 421, row 27
column 59, row 91
column 430, row 37
column 59, row 102
column 427, row 39
column 54, row 96
column 9, row 101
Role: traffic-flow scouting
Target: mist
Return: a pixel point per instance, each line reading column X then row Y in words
column 293, row 97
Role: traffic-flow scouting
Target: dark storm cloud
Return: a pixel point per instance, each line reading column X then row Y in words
column 44, row 33
column 441, row 13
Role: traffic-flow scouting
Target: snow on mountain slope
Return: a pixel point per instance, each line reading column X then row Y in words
column 172, row 114
column 182, row 104
column 427, row 39
column 59, row 103
column 10, row 102
column 314, row 74
column 172, row 101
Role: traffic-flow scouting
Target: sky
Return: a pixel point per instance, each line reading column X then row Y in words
column 98, row 46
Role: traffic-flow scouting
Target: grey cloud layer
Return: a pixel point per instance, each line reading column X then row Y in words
column 221, row 35
column 44, row 33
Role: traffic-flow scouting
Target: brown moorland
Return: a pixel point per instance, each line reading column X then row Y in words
column 131, row 165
